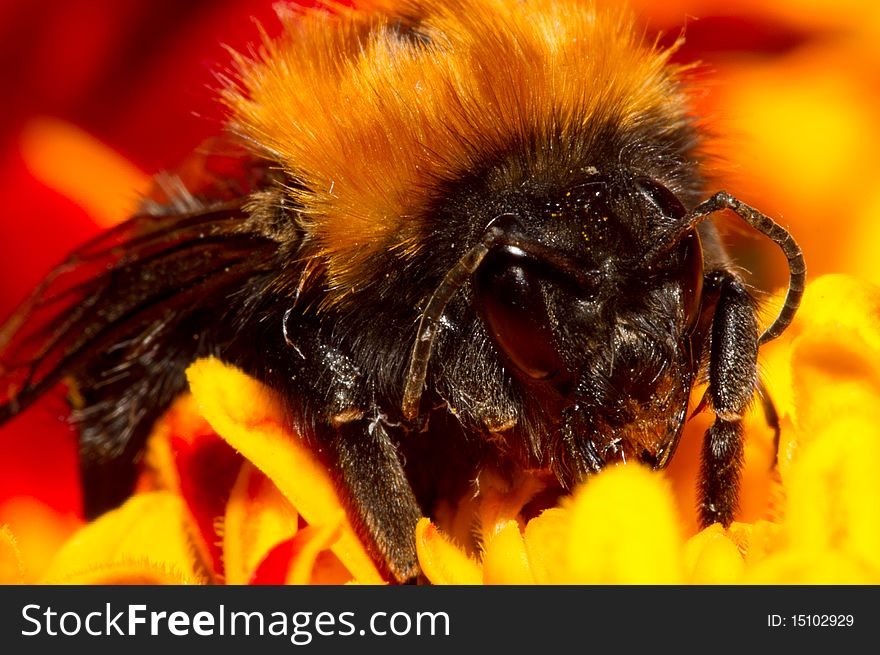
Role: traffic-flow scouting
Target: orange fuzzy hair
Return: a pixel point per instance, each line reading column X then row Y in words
column 370, row 111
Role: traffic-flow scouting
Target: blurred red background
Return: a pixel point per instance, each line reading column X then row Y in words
column 137, row 76
column 790, row 92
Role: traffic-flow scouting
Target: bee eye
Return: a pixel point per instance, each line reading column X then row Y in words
column 661, row 197
column 509, row 298
column 690, row 257
column 691, row 250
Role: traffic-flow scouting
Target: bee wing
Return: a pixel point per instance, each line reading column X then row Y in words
column 119, row 287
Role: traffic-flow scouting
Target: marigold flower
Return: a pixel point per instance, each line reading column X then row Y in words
column 230, row 495
column 266, row 511
column 623, row 526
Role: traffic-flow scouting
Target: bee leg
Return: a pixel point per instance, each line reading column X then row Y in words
column 336, row 409
column 732, row 382
column 381, row 501
column 771, row 416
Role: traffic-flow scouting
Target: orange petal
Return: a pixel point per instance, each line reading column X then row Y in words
column 502, row 499
column 11, row 563
column 81, row 168
column 148, row 538
column 39, row 530
column 314, row 539
column 258, row 517
column 186, row 456
column 250, row 419
column 328, row 570
column 442, row 561
column 297, row 560
column 759, row 485
column 182, row 420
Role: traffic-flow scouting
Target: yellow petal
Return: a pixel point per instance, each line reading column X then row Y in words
column 826, row 357
column 148, row 536
column 258, row 517
column 837, row 373
column 792, row 567
column 833, row 492
column 546, row 540
column 128, row 572
column 774, row 362
column 625, row 530
column 842, row 301
column 711, row 557
column 758, row 540
column 836, row 354
column 442, row 561
column 505, row 560
column 249, row 418
column 315, row 539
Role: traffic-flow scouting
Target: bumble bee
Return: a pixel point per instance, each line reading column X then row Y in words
column 449, row 234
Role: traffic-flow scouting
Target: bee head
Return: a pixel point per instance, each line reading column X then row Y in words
column 586, row 321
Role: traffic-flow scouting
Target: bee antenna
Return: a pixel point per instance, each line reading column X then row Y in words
column 429, row 323
column 501, row 230
column 797, row 268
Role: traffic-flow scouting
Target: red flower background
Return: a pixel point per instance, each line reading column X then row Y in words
column 792, row 93
column 137, row 76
